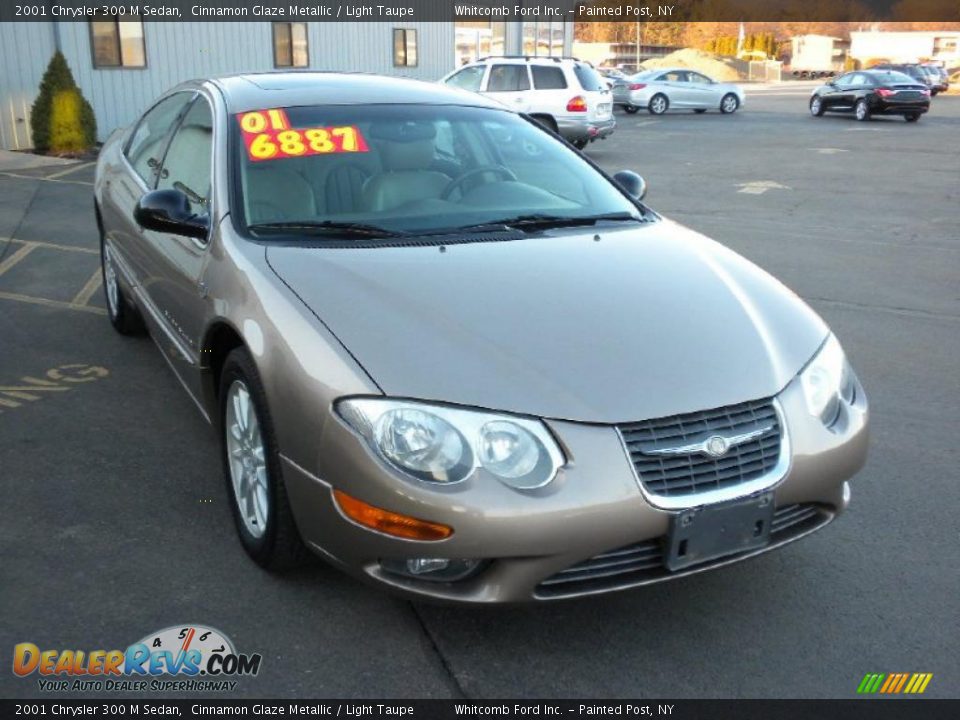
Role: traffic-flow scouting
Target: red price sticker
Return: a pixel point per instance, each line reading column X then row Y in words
column 267, row 135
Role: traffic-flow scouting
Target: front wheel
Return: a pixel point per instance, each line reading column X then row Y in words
column 251, row 463
column 632, row 109
column 123, row 316
column 861, row 110
column 912, row 117
column 729, row 104
column 658, row 104
column 816, row 106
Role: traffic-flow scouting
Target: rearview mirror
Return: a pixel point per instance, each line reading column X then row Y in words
column 168, row 211
column 633, row 184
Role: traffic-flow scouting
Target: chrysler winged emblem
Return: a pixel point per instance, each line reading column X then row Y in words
column 715, row 446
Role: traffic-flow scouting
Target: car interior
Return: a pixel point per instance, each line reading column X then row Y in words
column 414, row 168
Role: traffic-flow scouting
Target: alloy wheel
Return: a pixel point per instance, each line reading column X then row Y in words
column 246, row 455
column 729, row 104
column 110, row 281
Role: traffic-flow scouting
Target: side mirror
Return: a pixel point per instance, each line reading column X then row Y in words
column 635, row 185
column 168, row 211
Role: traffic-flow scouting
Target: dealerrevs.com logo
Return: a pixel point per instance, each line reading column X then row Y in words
column 179, row 658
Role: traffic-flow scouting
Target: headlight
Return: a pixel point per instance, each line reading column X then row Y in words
column 827, row 379
column 446, row 445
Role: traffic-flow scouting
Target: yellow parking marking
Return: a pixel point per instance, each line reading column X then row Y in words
column 74, row 168
column 15, row 258
column 87, row 291
column 17, row 297
column 52, row 246
column 44, row 179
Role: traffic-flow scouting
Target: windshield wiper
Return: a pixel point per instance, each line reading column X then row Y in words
column 344, row 229
column 543, row 221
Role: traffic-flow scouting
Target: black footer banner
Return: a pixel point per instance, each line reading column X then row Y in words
column 857, row 709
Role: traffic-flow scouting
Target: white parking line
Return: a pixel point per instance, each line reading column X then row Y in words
column 86, row 292
column 46, row 302
column 69, row 170
column 52, row 246
column 16, row 257
column 45, row 179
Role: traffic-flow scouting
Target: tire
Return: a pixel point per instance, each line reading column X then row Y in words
column 700, row 111
column 912, row 117
column 580, row 144
column 729, row 104
column 632, row 109
column 250, row 455
column 816, row 106
column 124, row 317
column 548, row 122
column 659, row 104
column 861, row 110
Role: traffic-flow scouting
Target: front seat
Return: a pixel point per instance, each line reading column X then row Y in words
column 276, row 194
column 406, row 151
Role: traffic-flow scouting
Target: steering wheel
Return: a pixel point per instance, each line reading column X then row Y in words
column 458, row 181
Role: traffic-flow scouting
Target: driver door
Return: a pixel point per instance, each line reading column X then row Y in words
column 175, row 264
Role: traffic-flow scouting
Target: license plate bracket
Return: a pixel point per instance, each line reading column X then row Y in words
column 705, row 533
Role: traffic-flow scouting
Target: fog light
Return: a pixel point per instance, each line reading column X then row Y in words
column 434, row 569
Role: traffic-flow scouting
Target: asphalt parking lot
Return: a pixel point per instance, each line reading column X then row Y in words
column 116, row 522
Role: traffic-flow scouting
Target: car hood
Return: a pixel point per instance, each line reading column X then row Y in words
column 606, row 326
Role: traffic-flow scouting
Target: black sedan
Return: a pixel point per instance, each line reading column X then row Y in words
column 872, row 92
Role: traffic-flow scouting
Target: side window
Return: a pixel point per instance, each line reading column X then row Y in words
column 468, row 79
column 548, row 78
column 508, row 78
column 145, row 148
column 673, row 76
column 698, row 78
column 186, row 166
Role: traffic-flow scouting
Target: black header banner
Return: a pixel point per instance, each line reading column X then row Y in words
column 486, row 10
column 487, row 709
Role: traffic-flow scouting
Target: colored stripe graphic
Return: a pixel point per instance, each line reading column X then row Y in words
column 894, row 683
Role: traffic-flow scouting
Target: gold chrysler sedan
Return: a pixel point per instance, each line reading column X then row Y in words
column 447, row 353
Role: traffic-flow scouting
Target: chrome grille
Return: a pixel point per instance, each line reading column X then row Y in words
column 690, row 473
column 643, row 561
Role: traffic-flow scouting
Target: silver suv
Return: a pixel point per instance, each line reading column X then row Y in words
column 566, row 95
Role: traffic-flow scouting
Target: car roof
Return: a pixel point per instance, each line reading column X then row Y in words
column 255, row 91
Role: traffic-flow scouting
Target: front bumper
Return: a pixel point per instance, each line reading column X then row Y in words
column 578, row 129
column 527, row 539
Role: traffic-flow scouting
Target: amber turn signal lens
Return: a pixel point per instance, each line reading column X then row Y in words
column 390, row 523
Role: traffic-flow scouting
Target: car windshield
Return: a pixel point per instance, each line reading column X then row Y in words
column 387, row 170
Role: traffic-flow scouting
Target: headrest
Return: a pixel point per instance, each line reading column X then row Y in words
column 403, row 131
column 410, row 155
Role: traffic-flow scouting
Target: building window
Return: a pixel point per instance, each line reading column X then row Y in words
column 479, row 38
column 117, row 44
column 543, row 38
column 290, row 45
column 404, row 48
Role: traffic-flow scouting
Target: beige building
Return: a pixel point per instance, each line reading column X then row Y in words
column 917, row 46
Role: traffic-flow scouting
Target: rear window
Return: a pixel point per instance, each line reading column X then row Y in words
column 892, row 78
column 548, row 78
column 508, row 78
column 589, row 78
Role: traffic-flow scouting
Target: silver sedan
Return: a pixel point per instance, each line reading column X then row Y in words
column 443, row 351
column 676, row 89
